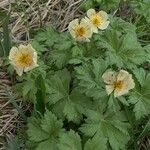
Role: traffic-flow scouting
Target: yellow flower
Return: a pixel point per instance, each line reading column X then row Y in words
column 98, row 20
column 120, row 82
column 81, row 31
column 23, row 58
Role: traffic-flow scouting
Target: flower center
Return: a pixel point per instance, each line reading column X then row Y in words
column 118, row 85
column 96, row 20
column 25, row 60
column 80, row 31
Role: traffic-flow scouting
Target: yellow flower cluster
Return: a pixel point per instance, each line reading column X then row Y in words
column 119, row 83
column 82, row 30
column 23, row 58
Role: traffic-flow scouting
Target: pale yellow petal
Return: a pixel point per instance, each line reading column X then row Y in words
column 13, row 52
column 86, row 40
column 87, row 19
column 72, row 26
column 22, row 47
column 109, row 77
column 34, row 65
column 86, row 25
column 122, row 75
column 127, row 83
column 29, row 46
column 19, row 70
column 130, row 82
column 93, row 28
column 75, row 26
column 35, row 57
column 109, row 89
column 91, row 12
column 104, row 25
column 30, row 68
column 103, row 14
column 26, row 49
column 118, row 93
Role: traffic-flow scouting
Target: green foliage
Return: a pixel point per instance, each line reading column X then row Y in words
column 147, row 49
column 72, row 140
column 15, row 144
column 96, row 143
column 123, row 50
column 101, row 4
column 44, row 132
column 28, row 83
column 142, row 8
column 56, row 44
column 108, row 127
column 90, row 81
column 140, row 97
column 121, row 25
column 68, row 85
column 62, row 100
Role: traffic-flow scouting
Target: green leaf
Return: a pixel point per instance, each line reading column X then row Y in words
column 147, row 49
column 113, row 104
column 61, row 51
column 96, row 143
column 44, row 132
column 76, row 106
column 48, row 36
column 139, row 108
column 121, row 26
column 77, row 52
column 123, row 100
column 87, row 5
column 47, row 145
column 60, row 57
column 27, row 87
column 59, row 85
column 141, row 99
column 64, row 42
column 57, row 45
column 70, row 141
column 122, row 49
column 51, row 124
column 140, row 75
column 107, row 126
column 73, row 104
column 109, row 5
column 101, row 4
column 142, row 8
column 35, row 132
column 14, row 143
column 89, row 76
column 38, row 47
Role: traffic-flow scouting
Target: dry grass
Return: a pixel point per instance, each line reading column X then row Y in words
column 145, row 144
column 9, row 117
column 29, row 14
